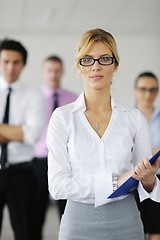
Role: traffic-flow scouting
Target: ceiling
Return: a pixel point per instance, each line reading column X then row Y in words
column 73, row 16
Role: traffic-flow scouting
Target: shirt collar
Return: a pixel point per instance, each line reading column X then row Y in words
column 5, row 85
column 155, row 113
column 80, row 104
column 48, row 92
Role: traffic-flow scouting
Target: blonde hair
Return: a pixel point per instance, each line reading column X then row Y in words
column 89, row 37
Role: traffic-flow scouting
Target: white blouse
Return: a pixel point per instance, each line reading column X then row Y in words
column 81, row 165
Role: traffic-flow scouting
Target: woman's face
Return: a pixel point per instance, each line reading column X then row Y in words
column 146, row 91
column 97, row 76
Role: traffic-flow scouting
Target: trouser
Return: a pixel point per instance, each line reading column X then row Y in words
column 150, row 214
column 42, row 194
column 61, row 207
column 17, row 190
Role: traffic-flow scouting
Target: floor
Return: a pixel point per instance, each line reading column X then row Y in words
column 50, row 227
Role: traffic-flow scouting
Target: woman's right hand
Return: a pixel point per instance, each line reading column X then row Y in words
column 137, row 174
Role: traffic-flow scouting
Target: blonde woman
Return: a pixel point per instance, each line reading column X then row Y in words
column 94, row 145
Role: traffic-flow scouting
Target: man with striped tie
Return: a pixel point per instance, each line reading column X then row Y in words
column 55, row 96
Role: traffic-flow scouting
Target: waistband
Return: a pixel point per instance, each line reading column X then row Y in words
column 16, row 165
column 40, row 159
column 109, row 212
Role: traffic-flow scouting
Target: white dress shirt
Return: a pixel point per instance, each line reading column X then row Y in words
column 26, row 108
column 81, row 165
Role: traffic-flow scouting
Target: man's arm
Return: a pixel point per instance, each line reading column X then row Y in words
column 30, row 130
column 3, row 140
column 10, row 133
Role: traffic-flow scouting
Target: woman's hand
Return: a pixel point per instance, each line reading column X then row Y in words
column 145, row 173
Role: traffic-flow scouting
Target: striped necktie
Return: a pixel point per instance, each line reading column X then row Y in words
column 55, row 101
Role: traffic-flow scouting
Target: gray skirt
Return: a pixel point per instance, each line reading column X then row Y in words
column 118, row 220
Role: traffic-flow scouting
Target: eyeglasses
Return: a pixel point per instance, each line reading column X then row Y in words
column 150, row 90
column 88, row 61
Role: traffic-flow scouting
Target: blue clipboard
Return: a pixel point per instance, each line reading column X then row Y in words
column 131, row 183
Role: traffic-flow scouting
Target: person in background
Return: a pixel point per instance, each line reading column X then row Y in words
column 54, row 96
column 146, row 91
column 21, row 107
column 94, row 145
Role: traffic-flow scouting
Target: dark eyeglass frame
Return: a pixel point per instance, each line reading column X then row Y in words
column 150, row 90
column 96, row 59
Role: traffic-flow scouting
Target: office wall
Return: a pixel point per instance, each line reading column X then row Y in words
column 137, row 53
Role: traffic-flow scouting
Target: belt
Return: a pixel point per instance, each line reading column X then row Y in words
column 16, row 165
column 40, row 158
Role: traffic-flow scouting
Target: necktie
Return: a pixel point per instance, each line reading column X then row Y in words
column 3, row 158
column 55, row 105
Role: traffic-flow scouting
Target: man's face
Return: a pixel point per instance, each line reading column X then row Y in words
column 52, row 74
column 11, row 65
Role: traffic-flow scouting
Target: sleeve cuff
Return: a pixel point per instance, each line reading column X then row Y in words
column 103, row 188
column 30, row 135
column 154, row 195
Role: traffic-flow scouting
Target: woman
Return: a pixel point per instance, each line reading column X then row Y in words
column 94, row 145
column 146, row 91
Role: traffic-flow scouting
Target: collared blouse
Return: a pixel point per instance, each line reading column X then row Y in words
column 81, row 165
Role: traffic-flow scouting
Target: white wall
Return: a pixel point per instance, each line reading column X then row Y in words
column 137, row 54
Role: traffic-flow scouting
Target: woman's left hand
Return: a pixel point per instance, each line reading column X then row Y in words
column 145, row 173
